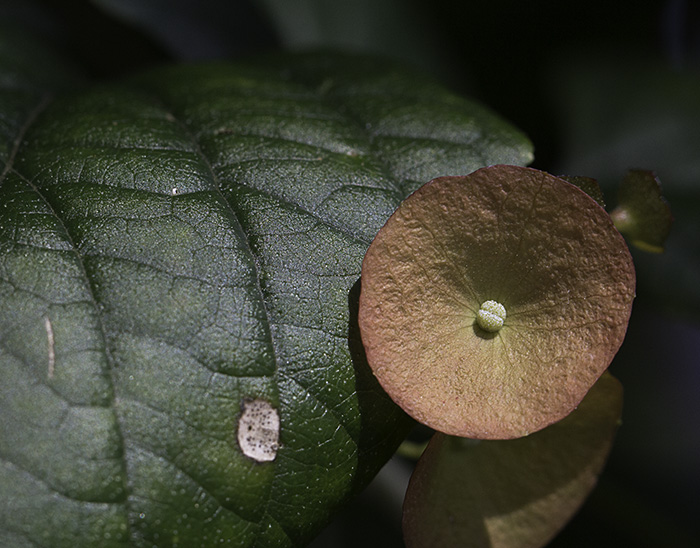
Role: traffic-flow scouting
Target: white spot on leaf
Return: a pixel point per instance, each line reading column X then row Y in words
column 259, row 430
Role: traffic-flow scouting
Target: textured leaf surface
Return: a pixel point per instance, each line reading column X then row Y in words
column 176, row 246
column 516, row 244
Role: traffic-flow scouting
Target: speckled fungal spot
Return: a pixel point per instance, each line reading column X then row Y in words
column 259, row 430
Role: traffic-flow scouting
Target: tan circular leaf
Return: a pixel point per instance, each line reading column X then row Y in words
column 536, row 245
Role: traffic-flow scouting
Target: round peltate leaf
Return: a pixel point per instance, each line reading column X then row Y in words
column 179, row 257
column 491, row 303
column 511, row 493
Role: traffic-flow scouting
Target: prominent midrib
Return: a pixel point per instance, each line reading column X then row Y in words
column 274, row 342
column 344, row 232
column 242, row 238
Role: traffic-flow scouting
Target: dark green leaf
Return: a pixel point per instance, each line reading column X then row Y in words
column 176, row 246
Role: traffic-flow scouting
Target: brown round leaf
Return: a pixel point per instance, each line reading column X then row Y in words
column 511, row 493
column 528, row 240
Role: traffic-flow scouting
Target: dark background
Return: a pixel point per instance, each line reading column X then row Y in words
column 599, row 87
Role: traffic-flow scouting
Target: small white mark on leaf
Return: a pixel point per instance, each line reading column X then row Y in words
column 174, row 191
column 51, row 346
column 259, row 430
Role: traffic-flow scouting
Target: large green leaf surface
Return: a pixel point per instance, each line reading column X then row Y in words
column 177, row 244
